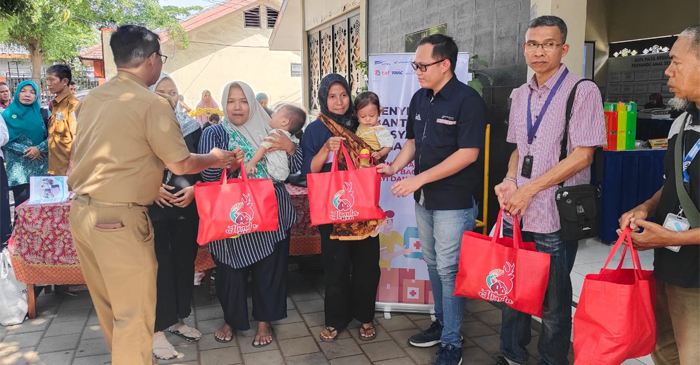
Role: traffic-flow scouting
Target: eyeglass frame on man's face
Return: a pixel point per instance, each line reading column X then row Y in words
column 547, row 47
column 163, row 57
column 424, row 68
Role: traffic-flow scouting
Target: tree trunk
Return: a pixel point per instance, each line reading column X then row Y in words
column 37, row 58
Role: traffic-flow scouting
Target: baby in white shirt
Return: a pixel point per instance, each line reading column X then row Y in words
column 288, row 120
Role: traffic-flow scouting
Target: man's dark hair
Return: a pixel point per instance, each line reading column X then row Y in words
column 214, row 118
column 296, row 116
column 444, row 47
column 132, row 44
column 71, row 83
column 3, row 83
column 550, row 21
column 61, row 71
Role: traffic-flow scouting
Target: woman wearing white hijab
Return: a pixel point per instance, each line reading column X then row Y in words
column 244, row 126
column 175, row 222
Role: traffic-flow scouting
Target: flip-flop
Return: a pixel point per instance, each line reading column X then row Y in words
column 365, row 329
column 224, row 340
column 261, row 335
column 170, row 348
column 330, row 332
column 188, row 335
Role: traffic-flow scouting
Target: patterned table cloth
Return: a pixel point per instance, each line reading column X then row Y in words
column 42, row 249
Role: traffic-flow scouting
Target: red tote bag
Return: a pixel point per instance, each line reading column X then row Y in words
column 344, row 196
column 502, row 269
column 235, row 207
column 614, row 319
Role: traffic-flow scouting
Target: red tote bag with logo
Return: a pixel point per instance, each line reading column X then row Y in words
column 503, row 269
column 344, row 196
column 614, row 319
column 229, row 208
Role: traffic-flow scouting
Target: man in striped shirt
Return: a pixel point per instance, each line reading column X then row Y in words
column 534, row 172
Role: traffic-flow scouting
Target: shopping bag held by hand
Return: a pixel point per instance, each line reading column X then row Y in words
column 503, row 269
column 344, row 196
column 229, row 208
column 614, row 319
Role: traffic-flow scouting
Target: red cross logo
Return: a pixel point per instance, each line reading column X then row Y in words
column 413, row 293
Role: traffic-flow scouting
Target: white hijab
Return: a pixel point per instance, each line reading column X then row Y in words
column 257, row 127
column 187, row 123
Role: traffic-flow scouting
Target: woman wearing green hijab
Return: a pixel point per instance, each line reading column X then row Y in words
column 26, row 152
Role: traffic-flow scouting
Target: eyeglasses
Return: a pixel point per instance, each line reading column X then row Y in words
column 162, row 57
column 547, row 47
column 423, row 68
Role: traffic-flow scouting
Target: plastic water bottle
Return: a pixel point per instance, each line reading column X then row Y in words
column 364, row 159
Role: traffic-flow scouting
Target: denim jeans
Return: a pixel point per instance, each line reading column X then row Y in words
column 555, row 338
column 440, row 233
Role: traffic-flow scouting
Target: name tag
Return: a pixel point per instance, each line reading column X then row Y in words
column 446, row 122
column 676, row 223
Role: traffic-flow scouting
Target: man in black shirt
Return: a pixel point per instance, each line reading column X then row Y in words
column 675, row 235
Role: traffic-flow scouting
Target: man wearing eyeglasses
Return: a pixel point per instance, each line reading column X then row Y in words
column 536, row 125
column 126, row 136
column 444, row 133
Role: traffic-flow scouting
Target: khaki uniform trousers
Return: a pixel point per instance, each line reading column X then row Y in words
column 120, row 268
column 677, row 325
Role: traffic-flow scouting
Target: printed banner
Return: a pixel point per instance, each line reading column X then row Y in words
column 404, row 273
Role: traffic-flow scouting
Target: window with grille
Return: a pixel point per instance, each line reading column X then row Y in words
column 252, row 18
column 271, row 17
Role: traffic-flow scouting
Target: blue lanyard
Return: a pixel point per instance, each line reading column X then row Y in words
column 532, row 129
column 688, row 159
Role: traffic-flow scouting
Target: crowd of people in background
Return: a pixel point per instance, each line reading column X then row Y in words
column 162, row 148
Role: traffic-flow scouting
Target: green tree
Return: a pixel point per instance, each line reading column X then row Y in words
column 56, row 30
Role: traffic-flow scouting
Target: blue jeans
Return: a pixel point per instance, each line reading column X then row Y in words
column 555, row 338
column 440, row 233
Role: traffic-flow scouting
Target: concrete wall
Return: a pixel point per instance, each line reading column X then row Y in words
column 223, row 51
column 597, row 30
column 494, row 30
column 635, row 19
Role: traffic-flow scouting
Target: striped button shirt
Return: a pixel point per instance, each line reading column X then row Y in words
column 586, row 129
column 250, row 248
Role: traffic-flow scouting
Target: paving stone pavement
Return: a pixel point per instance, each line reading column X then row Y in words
column 67, row 332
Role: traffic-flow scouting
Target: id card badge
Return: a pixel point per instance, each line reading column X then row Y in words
column 527, row 167
column 676, row 223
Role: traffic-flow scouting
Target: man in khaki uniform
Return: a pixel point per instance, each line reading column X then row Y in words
column 62, row 121
column 125, row 138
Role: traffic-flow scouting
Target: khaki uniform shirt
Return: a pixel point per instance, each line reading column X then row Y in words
column 61, row 131
column 126, row 134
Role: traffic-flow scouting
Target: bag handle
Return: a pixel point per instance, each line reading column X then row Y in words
column 636, row 264
column 563, row 150
column 348, row 160
column 517, row 234
column 224, row 172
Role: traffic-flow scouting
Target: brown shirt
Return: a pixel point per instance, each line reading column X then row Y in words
column 126, row 134
column 61, row 131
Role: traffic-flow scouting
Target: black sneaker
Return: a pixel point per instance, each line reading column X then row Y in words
column 449, row 355
column 502, row 361
column 427, row 338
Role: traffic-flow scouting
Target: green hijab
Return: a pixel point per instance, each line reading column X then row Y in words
column 25, row 120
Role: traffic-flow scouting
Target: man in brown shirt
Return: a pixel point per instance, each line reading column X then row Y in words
column 125, row 138
column 62, row 121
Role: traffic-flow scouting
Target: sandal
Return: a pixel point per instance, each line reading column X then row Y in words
column 228, row 335
column 365, row 330
column 191, row 335
column 169, row 349
column 330, row 331
column 259, row 336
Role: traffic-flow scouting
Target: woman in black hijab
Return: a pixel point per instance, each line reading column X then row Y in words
column 349, row 253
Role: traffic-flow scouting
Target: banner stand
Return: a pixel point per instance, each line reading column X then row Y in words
column 404, row 285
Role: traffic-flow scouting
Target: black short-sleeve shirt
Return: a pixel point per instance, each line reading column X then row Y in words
column 441, row 124
column 680, row 268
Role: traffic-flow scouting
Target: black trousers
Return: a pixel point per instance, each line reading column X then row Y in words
column 269, row 289
column 176, row 250
column 5, row 219
column 21, row 193
column 351, row 276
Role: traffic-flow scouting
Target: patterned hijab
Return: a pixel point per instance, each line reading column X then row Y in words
column 347, row 120
column 25, row 120
column 187, row 123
